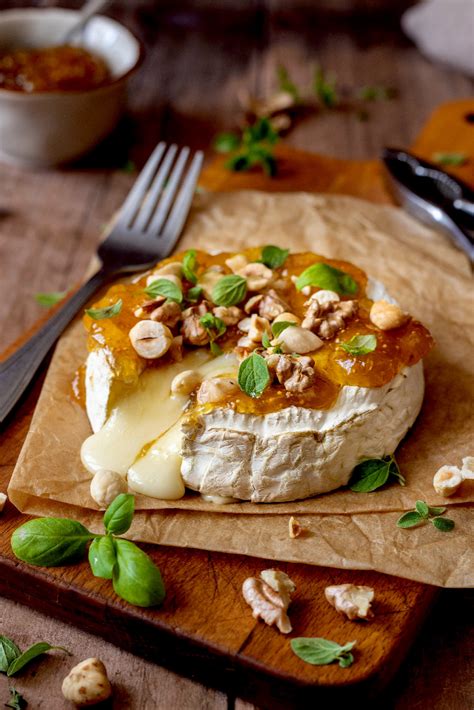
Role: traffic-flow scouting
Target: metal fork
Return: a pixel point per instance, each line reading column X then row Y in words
column 145, row 231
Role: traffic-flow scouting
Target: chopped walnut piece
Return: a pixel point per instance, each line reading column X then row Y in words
column 271, row 305
column 148, row 306
column 387, row 316
column 296, row 374
column 327, row 318
column 169, row 313
column 228, row 315
column 352, row 600
column 294, row 528
column 269, row 598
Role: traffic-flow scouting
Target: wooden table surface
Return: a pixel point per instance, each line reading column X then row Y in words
column 225, row 51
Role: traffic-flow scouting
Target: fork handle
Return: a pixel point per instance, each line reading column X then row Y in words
column 17, row 371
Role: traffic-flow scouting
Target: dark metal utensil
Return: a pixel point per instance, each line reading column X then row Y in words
column 433, row 196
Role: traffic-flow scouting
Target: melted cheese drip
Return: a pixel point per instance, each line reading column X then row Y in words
column 141, row 439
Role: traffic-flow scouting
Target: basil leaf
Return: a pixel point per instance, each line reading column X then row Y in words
column 327, row 277
column 102, row 557
column 443, row 524
column 106, row 312
column 17, row 701
column 8, row 652
column 136, row 578
column 360, row 344
column 280, row 326
column 422, row 509
column 189, row 266
column 253, row 375
column 194, row 294
column 229, row 290
column 454, row 159
column 49, row 542
column 226, row 142
column 166, row 288
column 266, row 340
column 321, row 651
column 119, row 515
column 409, row 520
column 30, row 654
column 371, row 474
column 437, row 511
column 274, row 257
column 50, row 299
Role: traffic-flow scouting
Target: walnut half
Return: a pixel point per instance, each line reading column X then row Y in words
column 269, row 598
column 351, row 600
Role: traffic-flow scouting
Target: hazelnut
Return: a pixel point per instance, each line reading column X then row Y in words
column 87, row 683
column 447, row 480
column 217, row 389
column 387, row 316
column 106, row 486
column 295, row 339
column 186, row 382
column 150, row 339
column 287, row 318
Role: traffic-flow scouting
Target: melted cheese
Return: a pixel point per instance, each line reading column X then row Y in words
column 141, row 439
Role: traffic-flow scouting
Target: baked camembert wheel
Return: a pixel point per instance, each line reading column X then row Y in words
column 262, row 376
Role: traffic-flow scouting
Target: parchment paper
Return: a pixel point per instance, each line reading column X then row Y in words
column 430, row 280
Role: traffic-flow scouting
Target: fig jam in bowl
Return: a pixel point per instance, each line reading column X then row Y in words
column 56, row 101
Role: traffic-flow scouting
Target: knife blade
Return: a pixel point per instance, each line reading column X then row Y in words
column 433, row 196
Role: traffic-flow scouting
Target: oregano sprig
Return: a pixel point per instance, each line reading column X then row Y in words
column 52, row 542
column 253, row 147
column 214, row 327
column 422, row 514
column 371, row 474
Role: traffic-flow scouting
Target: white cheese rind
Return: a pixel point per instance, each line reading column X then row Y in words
column 298, row 453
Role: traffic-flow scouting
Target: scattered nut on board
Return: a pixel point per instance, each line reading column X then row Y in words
column 3, row 500
column 351, row 600
column 447, row 480
column 270, row 598
column 106, row 486
column 294, row 527
column 87, row 683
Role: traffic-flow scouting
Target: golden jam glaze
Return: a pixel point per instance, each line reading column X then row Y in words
column 335, row 368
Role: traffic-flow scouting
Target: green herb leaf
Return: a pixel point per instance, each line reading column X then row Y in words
column 253, row 375
column 215, row 349
column 266, row 340
column 261, row 131
column 106, row 312
column 213, row 325
column 30, row 654
column 454, row 159
column 166, row 288
column 8, row 652
column 274, row 257
column 194, row 294
column 189, row 266
column 422, row 509
column 280, row 326
column 321, row 651
column 377, row 93
column 49, row 542
column 136, row 578
column 119, row 515
column 226, row 142
column 239, row 163
column 50, row 299
column 327, row 277
column 360, row 344
column 409, row 520
column 443, row 524
column 371, row 474
column 102, row 557
column 17, row 701
column 324, row 87
column 286, row 84
column 437, row 511
column 229, row 290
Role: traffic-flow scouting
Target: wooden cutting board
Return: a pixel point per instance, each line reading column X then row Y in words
column 205, row 629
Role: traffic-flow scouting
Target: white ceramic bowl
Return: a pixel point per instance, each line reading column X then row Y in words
column 45, row 129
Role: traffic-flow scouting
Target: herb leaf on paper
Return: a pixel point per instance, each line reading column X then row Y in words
column 372, row 474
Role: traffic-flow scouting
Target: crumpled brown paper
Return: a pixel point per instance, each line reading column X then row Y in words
column 429, row 278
